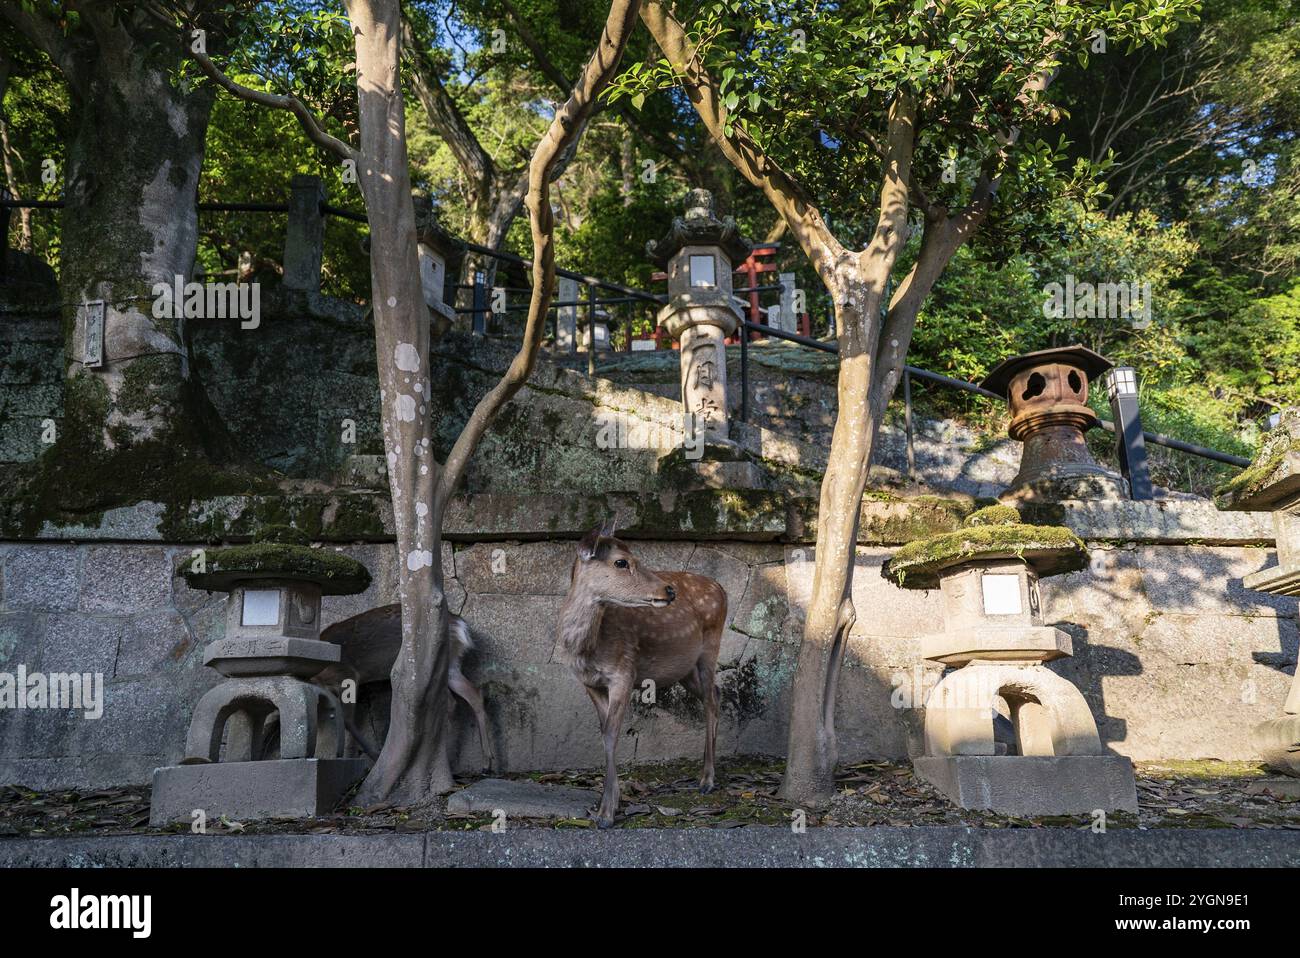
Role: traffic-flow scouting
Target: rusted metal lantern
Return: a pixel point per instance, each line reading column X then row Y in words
column 1047, row 393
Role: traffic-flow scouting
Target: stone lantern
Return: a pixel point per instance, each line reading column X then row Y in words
column 996, row 642
column 699, row 253
column 440, row 261
column 1047, row 394
column 1272, row 483
column 270, row 647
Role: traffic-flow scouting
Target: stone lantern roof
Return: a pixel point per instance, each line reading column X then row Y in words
column 431, row 233
column 988, row 535
column 1092, row 364
column 1272, row 480
column 280, row 553
column 699, row 227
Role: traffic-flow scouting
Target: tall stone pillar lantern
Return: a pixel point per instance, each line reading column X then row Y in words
column 270, row 647
column 1272, row 483
column 441, row 257
column 996, row 642
column 1047, row 395
column 699, row 253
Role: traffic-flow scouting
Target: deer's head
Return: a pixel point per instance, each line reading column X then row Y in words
column 608, row 572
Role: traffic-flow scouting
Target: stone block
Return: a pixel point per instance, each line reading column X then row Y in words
column 729, row 572
column 523, row 799
column 162, row 642
column 125, row 579
column 42, row 578
column 514, row 628
column 76, row 642
column 520, row 568
column 1033, row 785
column 21, row 635
column 248, row 791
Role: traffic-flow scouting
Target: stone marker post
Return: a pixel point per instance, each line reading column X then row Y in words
column 699, row 252
column 566, row 317
column 1272, row 483
column 304, row 234
column 996, row 641
column 1047, row 394
column 270, row 648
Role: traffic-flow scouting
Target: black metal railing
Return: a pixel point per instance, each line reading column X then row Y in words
column 629, row 296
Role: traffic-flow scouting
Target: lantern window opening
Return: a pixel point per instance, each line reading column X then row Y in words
column 261, row 607
column 1001, row 593
column 703, row 271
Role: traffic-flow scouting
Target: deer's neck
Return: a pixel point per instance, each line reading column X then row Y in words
column 580, row 624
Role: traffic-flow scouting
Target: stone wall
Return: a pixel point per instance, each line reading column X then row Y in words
column 1175, row 657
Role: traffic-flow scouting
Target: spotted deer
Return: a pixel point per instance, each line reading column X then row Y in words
column 622, row 624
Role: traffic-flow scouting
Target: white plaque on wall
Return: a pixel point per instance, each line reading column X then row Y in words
column 92, row 333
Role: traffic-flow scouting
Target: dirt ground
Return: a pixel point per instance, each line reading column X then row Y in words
column 1204, row 794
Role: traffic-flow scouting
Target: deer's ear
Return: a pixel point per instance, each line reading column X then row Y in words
column 607, row 530
column 587, row 547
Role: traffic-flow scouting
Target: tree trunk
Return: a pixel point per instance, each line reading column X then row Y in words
column 812, row 752
column 413, row 763
column 130, row 222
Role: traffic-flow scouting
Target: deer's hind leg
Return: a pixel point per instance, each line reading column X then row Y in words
column 703, row 684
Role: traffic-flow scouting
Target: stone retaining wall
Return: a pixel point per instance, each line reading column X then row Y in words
column 1177, row 659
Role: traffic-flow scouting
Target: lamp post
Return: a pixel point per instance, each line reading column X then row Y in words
column 996, row 641
column 270, row 647
column 1130, row 445
column 1047, row 394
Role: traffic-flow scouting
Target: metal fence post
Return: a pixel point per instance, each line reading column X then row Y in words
column 480, row 316
column 591, row 330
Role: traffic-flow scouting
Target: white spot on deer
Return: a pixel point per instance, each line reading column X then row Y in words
column 418, row 558
column 406, row 358
column 405, row 408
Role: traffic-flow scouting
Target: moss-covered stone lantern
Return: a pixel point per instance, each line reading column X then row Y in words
column 1047, row 396
column 699, row 253
column 270, row 647
column 1272, row 484
column 996, row 641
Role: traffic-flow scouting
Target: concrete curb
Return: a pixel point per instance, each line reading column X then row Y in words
column 752, row 847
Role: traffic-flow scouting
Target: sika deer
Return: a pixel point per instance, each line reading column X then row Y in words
column 622, row 624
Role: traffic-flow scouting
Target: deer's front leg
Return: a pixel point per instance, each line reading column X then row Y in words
column 620, row 693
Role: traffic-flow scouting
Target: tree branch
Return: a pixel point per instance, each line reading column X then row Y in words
column 566, row 126
column 804, row 219
column 445, row 115
column 278, row 101
column 46, row 36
